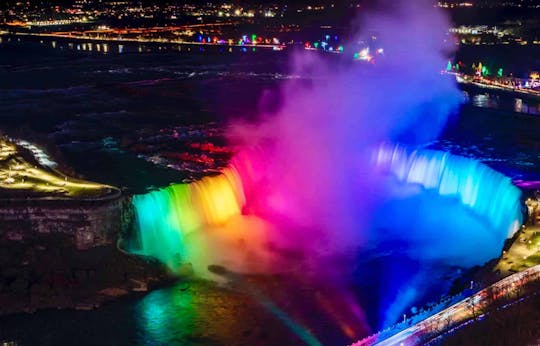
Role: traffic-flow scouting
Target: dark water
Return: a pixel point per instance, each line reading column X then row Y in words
column 186, row 314
column 110, row 110
column 123, row 111
column 121, row 118
column 484, row 99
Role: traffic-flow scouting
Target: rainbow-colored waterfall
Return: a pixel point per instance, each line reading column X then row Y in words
column 216, row 207
column 166, row 216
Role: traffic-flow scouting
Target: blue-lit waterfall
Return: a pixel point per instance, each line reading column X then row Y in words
column 488, row 193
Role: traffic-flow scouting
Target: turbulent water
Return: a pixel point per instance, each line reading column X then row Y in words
column 102, row 111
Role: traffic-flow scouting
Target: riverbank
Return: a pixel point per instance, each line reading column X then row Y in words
column 49, row 273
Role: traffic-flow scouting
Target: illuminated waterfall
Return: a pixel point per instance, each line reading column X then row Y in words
column 201, row 221
column 166, row 216
column 488, row 193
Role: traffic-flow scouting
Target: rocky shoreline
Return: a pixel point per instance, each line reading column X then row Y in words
column 49, row 273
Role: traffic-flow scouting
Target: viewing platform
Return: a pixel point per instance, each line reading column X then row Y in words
column 37, row 199
column 26, row 172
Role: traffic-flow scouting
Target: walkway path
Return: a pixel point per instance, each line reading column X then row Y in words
column 465, row 311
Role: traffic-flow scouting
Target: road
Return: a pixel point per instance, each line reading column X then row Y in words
column 463, row 312
column 494, row 84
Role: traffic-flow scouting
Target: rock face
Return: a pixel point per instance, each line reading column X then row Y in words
column 58, row 253
column 90, row 223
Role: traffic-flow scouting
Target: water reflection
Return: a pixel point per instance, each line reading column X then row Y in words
column 518, row 105
column 485, row 101
column 133, row 47
column 199, row 313
column 502, row 102
column 254, row 313
column 526, row 107
column 167, row 316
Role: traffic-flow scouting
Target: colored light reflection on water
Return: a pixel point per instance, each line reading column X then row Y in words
column 446, row 211
column 200, row 313
column 164, row 311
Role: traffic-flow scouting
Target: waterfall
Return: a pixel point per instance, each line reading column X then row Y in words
column 204, row 210
column 488, row 193
column 166, row 216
